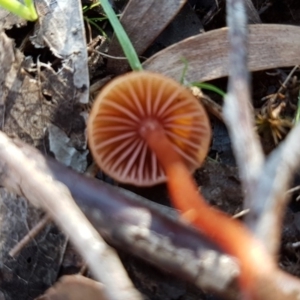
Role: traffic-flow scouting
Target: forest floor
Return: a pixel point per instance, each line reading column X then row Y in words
column 46, row 94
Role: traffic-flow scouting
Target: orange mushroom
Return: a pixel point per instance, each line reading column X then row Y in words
column 145, row 128
column 124, row 112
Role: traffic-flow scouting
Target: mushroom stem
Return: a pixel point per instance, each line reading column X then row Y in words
column 231, row 235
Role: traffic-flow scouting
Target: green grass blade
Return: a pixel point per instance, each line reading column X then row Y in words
column 185, row 68
column 124, row 41
column 209, row 87
column 17, row 8
column 92, row 22
column 201, row 85
column 297, row 117
column 30, row 6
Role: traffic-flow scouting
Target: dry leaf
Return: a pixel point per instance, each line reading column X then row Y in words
column 142, row 27
column 74, row 287
column 270, row 46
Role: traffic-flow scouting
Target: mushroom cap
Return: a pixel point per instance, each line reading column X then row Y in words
column 122, row 107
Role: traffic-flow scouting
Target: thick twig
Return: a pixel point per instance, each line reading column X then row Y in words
column 239, row 117
column 148, row 230
column 26, row 177
column 30, row 236
column 238, row 112
column 264, row 183
column 271, row 197
column 124, row 219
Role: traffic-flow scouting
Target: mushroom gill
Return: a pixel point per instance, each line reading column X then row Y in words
column 129, row 104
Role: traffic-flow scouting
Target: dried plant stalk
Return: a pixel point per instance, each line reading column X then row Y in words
column 271, row 197
column 273, row 284
column 26, row 177
column 238, row 111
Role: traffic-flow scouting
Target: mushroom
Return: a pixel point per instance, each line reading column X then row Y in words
column 127, row 109
column 145, row 128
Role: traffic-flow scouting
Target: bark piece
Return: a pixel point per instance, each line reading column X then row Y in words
column 60, row 27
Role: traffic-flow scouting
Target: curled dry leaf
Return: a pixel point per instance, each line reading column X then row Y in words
column 143, row 27
column 270, row 46
column 74, row 287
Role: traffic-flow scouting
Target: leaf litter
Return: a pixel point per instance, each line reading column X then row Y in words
column 41, row 101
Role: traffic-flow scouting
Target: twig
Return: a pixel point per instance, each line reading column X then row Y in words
column 265, row 193
column 273, row 97
column 294, row 189
column 123, row 218
column 238, row 114
column 109, row 56
column 252, row 13
column 271, row 195
column 30, row 236
column 294, row 245
column 238, row 111
column 241, row 214
column 283, row 85
column 143, row 228
column 25, row 175
column 212, row 107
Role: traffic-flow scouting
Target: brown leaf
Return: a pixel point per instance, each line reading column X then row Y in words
column 270, row 46
column 74, row 287
column 142, row 27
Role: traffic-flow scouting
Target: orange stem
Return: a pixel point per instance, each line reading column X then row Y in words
column 231, row 235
